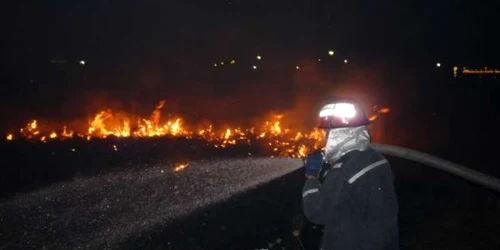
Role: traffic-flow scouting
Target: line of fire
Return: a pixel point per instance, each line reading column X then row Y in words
column 284, row 142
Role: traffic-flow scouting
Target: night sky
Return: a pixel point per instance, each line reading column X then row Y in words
column 138, row 53
column 200, row 29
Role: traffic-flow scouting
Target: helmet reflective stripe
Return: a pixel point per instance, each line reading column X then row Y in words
column 342, row 113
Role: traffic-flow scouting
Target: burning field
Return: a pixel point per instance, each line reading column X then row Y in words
column 114, row 177
column 283, row 141
column 121, row 181
column 43, row 152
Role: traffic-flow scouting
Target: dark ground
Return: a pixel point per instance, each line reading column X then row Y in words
column 437, row 211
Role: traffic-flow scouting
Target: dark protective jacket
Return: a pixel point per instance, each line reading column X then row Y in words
column 356, row 202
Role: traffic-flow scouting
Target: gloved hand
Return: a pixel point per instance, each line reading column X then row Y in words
column 314, row 163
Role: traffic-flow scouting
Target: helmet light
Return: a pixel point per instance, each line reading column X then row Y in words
column 341, row 110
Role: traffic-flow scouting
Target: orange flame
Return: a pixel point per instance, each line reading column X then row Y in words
column 180, row 167
column 379, row 112
column 302, row 150
column 272, row 133
column 384, row 111
column 33, row 124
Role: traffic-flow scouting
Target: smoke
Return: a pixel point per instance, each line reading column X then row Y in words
column 316, row 84
column 233, row 95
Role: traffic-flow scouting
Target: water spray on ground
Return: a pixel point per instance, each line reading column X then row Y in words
column 100, row 212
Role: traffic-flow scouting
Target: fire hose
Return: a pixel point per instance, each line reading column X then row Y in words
column 468, row 174
column 441, row 164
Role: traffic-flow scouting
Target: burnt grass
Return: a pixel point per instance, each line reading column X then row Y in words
column 437, row 210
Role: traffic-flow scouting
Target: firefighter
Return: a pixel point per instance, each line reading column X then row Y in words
column 349, row 188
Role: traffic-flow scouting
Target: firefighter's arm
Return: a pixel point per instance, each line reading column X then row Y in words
column 321, row 198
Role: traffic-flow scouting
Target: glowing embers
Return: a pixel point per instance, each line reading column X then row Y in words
column 180, row 167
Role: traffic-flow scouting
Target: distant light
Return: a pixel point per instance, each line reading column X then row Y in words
column 221, row 63
column 438, row 65
column 331, row 52
column 319, row 60
column 259, row 57
column 233, row 61
column 215, row 65
column 345, row 61
column 297, row 67
column 82, row 62
column 254, row 67
column 10, row 137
